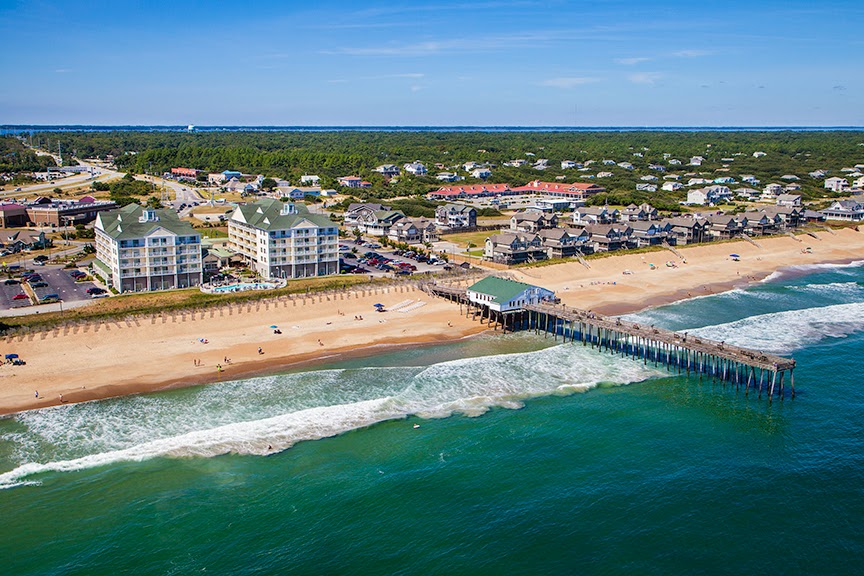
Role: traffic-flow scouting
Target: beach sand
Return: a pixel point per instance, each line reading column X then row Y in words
column 150, row 354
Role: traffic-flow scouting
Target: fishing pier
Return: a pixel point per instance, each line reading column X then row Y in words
column 678, row 352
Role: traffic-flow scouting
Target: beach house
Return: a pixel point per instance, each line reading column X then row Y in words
column 850, row 210
column 513, row 248
column 502, row 295
column 413, row 231
column 836, row 184
column 140, row 249
column 456, row 216
column 532, row 221
column 284, row 240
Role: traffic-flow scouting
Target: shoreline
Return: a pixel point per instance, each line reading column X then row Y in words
column 141, row 357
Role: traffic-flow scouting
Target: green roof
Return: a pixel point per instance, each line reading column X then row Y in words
column 503, row 290
column 267, row 214
column 125, row 222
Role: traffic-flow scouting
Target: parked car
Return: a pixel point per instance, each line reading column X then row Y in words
column 20, row 296
column 39, row 284
column 49, row 298
column 96, row 290
column 11, row 281
column 101, row 295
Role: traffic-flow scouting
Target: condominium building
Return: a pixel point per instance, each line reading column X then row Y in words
column 140, row 249
column 284, row 240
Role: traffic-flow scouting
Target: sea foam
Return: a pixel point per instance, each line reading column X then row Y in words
column 264, row 415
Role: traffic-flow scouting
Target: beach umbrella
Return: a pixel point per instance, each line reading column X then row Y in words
column 378, row 305
column 273, row 327
column 734, row 256
column 11, row 356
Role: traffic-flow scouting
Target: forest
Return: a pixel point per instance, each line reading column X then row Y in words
column 289, row 155
column 15, row 157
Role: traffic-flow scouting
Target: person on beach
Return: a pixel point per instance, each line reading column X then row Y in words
column 61, row 398
column 260, row 351
column 37, row 393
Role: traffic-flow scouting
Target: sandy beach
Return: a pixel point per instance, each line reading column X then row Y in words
column 152, row 353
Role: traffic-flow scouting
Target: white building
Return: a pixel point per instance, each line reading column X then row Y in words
column 503, row 295
column 139, row 249
column 415, row 168
column 284, row 240
column 836, row 184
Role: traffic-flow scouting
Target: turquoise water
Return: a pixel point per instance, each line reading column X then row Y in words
column 242, row 287
column 529, row 458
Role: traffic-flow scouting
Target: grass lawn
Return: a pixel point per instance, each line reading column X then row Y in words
column 176, row 300
column 475, row 238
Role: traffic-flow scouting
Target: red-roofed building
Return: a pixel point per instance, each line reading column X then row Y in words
column 184, row 173
column 472, row 191
column 578, row 191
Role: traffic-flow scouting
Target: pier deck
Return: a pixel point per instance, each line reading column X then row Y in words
column 651, row 344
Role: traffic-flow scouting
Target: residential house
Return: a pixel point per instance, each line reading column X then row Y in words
column 816, row 174
column 748, row 194
column 415, row 168
column 626, row 165
column 141, row 249
column 649, row 178
column 353, row 182
column 647, row 233
column 387, row 170
column 789, row 200
column 284, row 240
column 686, row 230
column 568, row 164
column 559, row 243
column 456, row 216
column 789, row 177
column 674, row 162
column 518, row 163
column 448, row 177
column 357, row 210
column 724, row 226
column 850, row 210
column 672, row 186
column 23, row 240
column 696, row 161
column 469, row 166
column 836, row 184
column 633, row 213
column 502, row 295
column 724, row 180
column 413, row 231
column 532, row 221
column 759, row 154
column 697, row 182
column 646, row 187
column 610, row 237
column 602, row 175
column 595, row 215
column 482, row 173
column 514, row 248
column 858, row 184
column 311, row 179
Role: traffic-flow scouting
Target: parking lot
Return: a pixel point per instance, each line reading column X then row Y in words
column 57, row 281
column 351, row 259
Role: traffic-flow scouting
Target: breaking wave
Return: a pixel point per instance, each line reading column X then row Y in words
column 261, row 416
column 784, row 332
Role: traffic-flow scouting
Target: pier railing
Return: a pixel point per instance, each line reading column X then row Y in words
column 682, row 352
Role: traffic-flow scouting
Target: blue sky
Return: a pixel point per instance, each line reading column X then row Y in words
column 521, row 62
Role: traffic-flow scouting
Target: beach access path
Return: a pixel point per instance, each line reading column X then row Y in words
column 152, row 353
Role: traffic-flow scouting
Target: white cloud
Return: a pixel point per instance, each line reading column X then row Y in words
column 691, row 53
column 569, row 82
column 632, row 61
column 645, row 77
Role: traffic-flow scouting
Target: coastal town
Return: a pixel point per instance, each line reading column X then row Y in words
column 334, row 270
column 232, row 231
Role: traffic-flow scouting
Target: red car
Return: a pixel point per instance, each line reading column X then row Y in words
column 20, row 296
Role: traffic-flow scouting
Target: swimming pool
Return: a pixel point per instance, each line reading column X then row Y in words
column 242, row 287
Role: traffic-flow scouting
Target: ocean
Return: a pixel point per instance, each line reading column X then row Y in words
column 495, row 455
